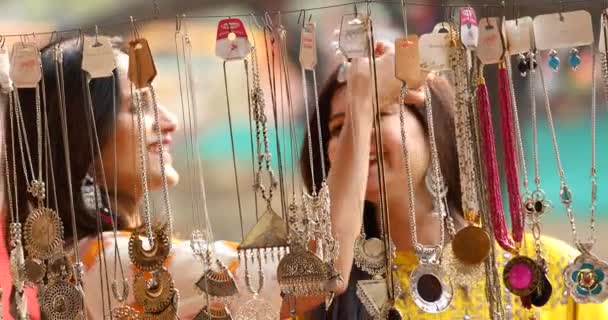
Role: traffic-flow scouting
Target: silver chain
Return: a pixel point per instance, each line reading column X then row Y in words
column 518, row 136
column 143, row 165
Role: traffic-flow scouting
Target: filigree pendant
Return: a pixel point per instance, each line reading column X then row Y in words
column 153, row 258
column 219, row 282
column 257, row 309
column 369, row 255
column 460, row 273
column 62, row 300
column 155, row 294
column 302, row 273
column 586, row 279
column 43, row 233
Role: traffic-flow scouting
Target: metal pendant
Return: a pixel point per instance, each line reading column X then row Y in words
column 542, row 294
column 169, row 313
column 521, row 276
column 536, row 203
column 219, row 282
column 369, row 255
column 35, row 270
column 125, row 312
column 430, row 289
column 154, row 295
column 373, row 294
column 586, row 279
column 59, row 267
column 153, row 258
column 215, row 313
column 258, row 309
column 43, row 233
column 269, row 232
column 301, row 273
column 17, row 262
column 120, row 294
column 62, row 300
column 460, row 273
column 471, row 245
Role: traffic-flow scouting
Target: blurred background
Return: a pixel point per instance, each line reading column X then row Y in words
column 570, row 92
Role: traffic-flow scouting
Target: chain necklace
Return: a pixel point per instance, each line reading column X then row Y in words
column 585, row 276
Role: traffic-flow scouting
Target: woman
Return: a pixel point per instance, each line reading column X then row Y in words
column 116, row 169
column 346, row 118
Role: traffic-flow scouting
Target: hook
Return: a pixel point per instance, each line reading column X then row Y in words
column 178, row 24
column 561, row 10
column 516, row 13
column 134, row 27
column 404, row 14
column 2, row 41
column 96, row 35
column 369, row 8
column 255, row 20
column 356, row 10
column 302, row 16
column 268, row 21
column 156, row 9
column 52, row 37
column 504, row 9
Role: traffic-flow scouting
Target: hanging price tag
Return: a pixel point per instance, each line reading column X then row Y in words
column 98, row 57
column 141, row 64
column 231, row 41
column 353, row 40
column 434, row 49
column 469, row 31
column 25, row 69
column 519, row 35
column 603, row 34
column 565, row 30
column 308, row 47
column 407, row 61
column 490, row 48
column 5, row 80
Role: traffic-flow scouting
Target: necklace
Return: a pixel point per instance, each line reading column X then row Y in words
column 585, row 276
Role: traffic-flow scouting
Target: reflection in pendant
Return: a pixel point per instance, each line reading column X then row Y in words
column 257, row 309
column 430, row 288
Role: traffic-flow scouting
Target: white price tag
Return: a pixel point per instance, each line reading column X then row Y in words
column 308, row 47
column 491, row 48
column 469, row 30
column 565, row 30
column 353, row 40
column 519, row 35
column 434, row 49
column 25, row 69
column 231, row 41
column 98, row 57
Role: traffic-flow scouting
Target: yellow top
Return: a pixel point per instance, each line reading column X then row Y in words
column 473, row 301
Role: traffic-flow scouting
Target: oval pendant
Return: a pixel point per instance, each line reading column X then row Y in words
column 521, row 276
column 471, row 245
column 431, row 290
column 542, row 294
column 43, row 233
column 586, row 279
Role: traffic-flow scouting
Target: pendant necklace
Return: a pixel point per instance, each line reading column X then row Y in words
column 585, row 277
column 153, row 285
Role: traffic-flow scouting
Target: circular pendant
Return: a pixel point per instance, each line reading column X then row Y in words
column 586, row 279
column 460, row 273
column 154, row 295
column 62, row 300
column 431, row 290
column 369, row 255
column 471, row 245
column 59, row 267
column 34, row 271
column 43, row 233
column 153, row 258
column 521, row 276
column 302, row 273
column 542, row 294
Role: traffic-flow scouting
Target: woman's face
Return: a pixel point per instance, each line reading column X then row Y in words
column 394, row 166
column 123, row 147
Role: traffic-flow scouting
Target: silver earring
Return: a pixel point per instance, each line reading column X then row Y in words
column 91, row 195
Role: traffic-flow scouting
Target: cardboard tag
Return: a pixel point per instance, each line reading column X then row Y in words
column 353, row 39
column 434, row 49
column 469, row 30
column 519, row 35
column 6, row 84
column 141, row 64
column 98, row 57
column 603, row 34
column 490, row 48
column 407, row 61
column 308, row 47
column 25, row 68
column 231, row 42
column 570, row 29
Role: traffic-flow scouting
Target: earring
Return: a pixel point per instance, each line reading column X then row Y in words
column 522, row 65
column 531, row 61
column 553, row 60
column 91, row 195
column 574, row 59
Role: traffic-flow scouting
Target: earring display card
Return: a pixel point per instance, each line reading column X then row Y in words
column 565, row 30
column 519, row 35
column 141, row 64
column 435, row 50
column 98, row 57
column 469, row 30
column 232, row 42
column 5, row 80
column 491, row 48
column 25, row 70
column 308, row 47
column 407, row 61
column 353, row 39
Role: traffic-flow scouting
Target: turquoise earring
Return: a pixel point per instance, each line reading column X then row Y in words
column 553, row 60
column 574, row 59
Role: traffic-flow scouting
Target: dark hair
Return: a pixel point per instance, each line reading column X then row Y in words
column 443, row 106
column 79, row 126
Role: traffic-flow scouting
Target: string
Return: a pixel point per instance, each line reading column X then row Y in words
column 508, row 142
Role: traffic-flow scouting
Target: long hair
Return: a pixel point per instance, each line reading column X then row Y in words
column 104, row 91
column 443, row 109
